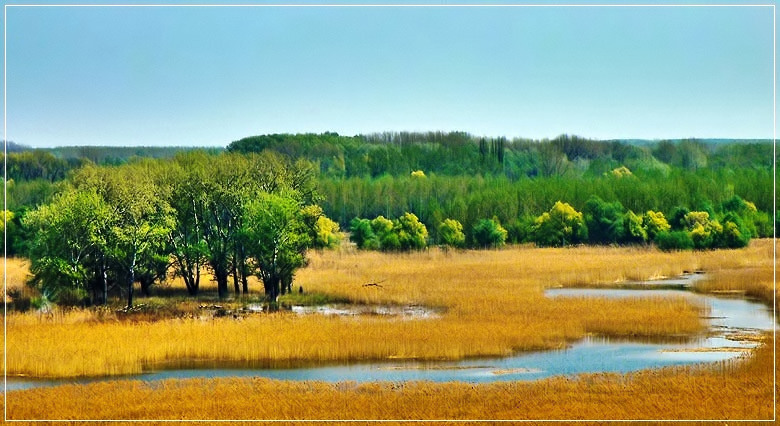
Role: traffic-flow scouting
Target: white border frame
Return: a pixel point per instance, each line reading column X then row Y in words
column 774, row 198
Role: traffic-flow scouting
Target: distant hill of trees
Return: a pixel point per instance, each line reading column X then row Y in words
column 460, row 153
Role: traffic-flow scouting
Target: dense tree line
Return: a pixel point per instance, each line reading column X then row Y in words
column 731, row 225
column 459, row 153
column 197, row 210
column 469, row 199
column 235, row 215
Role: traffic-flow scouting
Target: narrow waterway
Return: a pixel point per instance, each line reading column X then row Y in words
column 733, row 323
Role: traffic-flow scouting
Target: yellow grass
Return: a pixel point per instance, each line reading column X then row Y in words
column 492, row 303
column 730, row 390
column 17, row 273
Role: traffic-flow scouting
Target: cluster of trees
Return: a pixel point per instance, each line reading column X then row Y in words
column 129, row 217
column 469, row 199
column 731, row 226
column 235, row 215
column 459, row 153
column 408, row 233
column 404, row 233
column 600, row 222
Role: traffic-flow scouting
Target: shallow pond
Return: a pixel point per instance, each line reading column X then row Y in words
column 730, row 319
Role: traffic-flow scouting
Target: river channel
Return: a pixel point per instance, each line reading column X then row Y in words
column 732, row 322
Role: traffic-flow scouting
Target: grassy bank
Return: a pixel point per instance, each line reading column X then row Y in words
column 492, row 304
column 740, row 389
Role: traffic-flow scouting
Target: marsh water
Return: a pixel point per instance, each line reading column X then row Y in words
column 732, row 322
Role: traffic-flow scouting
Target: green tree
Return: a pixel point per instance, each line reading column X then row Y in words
column 451, row 233
column 277, row 238
column 69, row 241
column 674, row 240
column 704, row 231
column 735, row 233
column 604, row 221
column 143, row 220
column 654, row 223
column 362, row 234
column 412, row 234
column 489, row 233
column 188, row 199
column 634, row 231
column 326, row 233
column 561, row 226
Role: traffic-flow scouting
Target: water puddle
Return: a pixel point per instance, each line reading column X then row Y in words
column 735, row 326
column 410, row 312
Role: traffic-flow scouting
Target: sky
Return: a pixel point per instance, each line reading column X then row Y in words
column 207, row 76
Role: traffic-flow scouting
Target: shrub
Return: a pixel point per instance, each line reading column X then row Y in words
column 654, row 223
column 489, row 233
column 560, row 226
column 451, row 233
column 674, row 240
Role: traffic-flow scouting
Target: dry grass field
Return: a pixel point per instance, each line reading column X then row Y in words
column 732, row 390
column 491, row 303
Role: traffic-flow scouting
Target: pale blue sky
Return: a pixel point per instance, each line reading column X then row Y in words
column 208, row 76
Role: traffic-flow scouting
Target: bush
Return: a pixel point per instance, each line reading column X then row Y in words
column 634, row 231
column 604, row 221
column 326, row 233
column 489, row 233
column 560, row 226
column 674, row 240
column 451, row 233
column 412, row 233
column 735, row 233
column 362, row 234
column 654, row 223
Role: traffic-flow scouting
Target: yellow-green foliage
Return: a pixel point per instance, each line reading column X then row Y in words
column 621, row 171
column 327, row 233
column 491, row 304
column 562, row 225
column 7, row 217
column 418, row 174
column 655, row 222
column 731, row 390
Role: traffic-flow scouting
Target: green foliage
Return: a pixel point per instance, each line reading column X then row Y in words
column 70, row 235
column 327, row 233
column 634, row 230
column 703, row 231
column 604, row 221
column 362, row 234
column 521, row 230
column 412, row 234
column 451, row 233
column 654, row 223
column 674, row 240
column 405, row 233
column 561, row 226
column 489, row 233
column 735, row 233
column 8, row 217
column 276, row 238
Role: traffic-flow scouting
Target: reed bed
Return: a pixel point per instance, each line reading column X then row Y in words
column 733, row 390
column 491, row 303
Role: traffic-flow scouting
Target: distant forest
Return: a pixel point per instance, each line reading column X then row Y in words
column 439, row 175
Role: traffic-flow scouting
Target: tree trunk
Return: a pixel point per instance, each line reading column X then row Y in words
column 221, row 276
column 245, row 283
column 104, row 279
column 271, row 284
column 236, row 288
column 146, row 286
column 130, row 282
